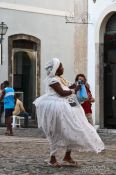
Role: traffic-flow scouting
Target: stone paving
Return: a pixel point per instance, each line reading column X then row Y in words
column 26, row 153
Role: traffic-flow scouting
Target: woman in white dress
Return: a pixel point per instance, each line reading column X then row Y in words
column 62, row 117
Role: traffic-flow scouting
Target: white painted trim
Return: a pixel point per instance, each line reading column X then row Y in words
column 0, row 55
column 32, row 9
column 109, row 9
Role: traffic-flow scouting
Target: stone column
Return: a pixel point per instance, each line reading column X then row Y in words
column 81, row 36
column 99, row 88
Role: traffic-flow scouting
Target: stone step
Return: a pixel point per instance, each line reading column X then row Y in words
column 107, row 131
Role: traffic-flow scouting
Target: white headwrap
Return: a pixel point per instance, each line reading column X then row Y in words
column 52, row 67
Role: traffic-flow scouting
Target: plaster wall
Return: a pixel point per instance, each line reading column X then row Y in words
column 57, row 38
column 99, row 13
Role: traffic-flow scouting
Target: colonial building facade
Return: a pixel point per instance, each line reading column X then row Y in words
column 102, row 60
column 39, row 30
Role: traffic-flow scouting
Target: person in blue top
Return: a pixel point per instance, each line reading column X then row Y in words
column 1, row 103
column 9, row 104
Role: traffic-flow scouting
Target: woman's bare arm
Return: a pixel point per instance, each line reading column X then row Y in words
column 57, row 87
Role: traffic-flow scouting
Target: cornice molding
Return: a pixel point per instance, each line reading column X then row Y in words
column 31, row 9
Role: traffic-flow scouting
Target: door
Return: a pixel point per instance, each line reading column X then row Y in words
column 110, row 80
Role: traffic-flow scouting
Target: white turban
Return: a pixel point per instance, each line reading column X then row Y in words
column 52, row 67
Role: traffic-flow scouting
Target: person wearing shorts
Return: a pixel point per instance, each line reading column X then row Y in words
column 9, row 104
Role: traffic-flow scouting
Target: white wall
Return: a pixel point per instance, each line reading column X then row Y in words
column 96, row 12
column 47, row 4
column 57, row 38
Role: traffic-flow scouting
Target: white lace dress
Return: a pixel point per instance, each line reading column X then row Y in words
column 65, row 126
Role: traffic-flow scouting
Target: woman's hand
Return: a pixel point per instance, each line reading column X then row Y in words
column 77, row 88
column 73, row 86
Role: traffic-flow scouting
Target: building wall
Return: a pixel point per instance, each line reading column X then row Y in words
column 99, row 13
column 46, row 4
column 46, row 21
column 81, row 36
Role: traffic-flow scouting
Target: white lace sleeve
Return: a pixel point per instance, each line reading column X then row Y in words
column 53, row 81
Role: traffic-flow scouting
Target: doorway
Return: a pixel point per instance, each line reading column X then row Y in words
column 24, row 68
column 110, row 74
column 24, row 77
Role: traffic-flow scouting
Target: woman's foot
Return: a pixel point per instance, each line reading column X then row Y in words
column 54, row 163
column 71, row 161
column 68, row 160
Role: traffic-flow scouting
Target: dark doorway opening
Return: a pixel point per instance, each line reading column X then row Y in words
column 110, row 74
column 25, row 77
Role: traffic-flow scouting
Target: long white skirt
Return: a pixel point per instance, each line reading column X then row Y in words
column 66, row 126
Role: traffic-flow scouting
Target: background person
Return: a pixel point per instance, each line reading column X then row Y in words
column 20, row 110
column 9, row 103
column 87, row 104
column 1, row 88
column 1, row 102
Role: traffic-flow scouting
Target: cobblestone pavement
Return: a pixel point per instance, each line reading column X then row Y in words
column 25, row 154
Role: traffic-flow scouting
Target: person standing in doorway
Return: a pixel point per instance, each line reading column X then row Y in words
column 9, row 103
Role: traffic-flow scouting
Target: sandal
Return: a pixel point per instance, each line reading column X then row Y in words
column 55, row 165
column 70, row 163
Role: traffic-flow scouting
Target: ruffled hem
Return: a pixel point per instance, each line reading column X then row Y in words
column 77, row 148
column 96, row 148
column 66, row 126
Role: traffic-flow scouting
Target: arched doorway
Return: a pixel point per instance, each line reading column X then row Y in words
column 100, row 29
column 24, row 68
column 110, row 73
